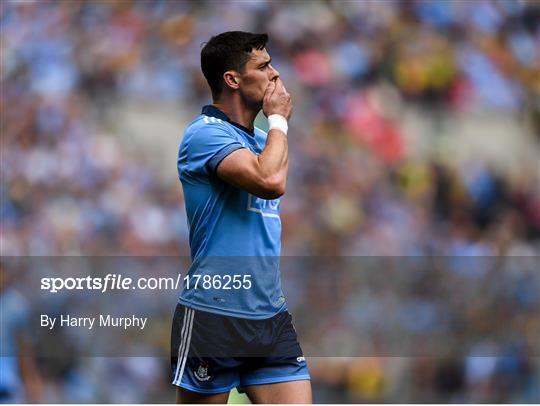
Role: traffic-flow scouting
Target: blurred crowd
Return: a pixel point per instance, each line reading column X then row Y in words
column 73, row 184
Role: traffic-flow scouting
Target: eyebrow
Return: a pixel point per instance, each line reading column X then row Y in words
column 265, row 63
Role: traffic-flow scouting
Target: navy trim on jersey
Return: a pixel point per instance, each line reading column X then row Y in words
column 212, row 111
column 221, row 155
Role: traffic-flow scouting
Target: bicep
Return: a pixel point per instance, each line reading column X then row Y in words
column 242, row 170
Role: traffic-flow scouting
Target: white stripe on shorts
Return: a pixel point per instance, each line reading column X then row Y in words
column 183, row 349
column 186, row 351
column 180, row 346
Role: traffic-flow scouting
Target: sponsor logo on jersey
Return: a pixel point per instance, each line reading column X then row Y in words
column 268, row 208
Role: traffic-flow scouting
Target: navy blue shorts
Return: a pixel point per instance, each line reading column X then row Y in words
column 211, row 353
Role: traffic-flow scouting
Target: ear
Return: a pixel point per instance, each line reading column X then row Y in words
column 231, row 79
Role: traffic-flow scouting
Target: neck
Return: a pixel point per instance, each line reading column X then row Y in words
column 237, row 111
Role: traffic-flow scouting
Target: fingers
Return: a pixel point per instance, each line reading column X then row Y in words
column 284, row 89
column 276, row 99
column 281, row 88
column 280, row 85
column 269, row 90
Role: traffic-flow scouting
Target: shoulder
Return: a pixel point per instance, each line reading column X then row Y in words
column 205, row 126
column 202, row 123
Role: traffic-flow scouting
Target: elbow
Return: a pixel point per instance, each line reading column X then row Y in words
column 274, row 187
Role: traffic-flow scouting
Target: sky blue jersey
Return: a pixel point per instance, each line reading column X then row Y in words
column 234, row 237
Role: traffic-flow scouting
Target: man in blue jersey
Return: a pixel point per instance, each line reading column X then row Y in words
column 231, row 328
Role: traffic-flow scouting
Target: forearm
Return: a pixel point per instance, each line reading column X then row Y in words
column 263, row 175
column 274, row 159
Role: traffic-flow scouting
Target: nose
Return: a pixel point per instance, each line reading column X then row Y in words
column 274, row 73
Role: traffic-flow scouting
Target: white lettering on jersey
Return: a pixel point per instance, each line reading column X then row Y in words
column 267, row 208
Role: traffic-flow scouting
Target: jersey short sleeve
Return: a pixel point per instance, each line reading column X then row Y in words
column 208, row 146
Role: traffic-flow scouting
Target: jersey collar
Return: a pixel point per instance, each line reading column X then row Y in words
column 212, row 111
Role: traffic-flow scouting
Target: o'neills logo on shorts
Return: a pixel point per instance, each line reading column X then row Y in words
column 202, row 373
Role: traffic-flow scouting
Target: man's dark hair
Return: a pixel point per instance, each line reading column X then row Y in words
column 228, row 51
